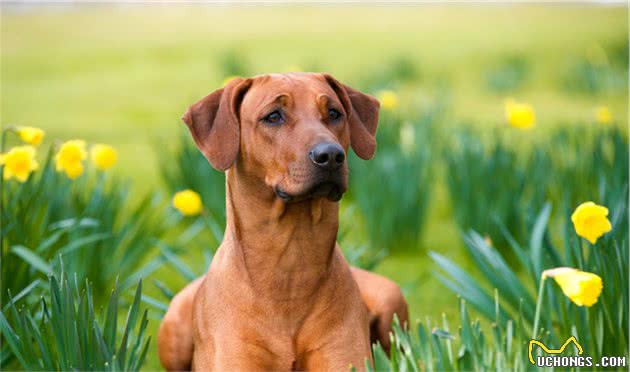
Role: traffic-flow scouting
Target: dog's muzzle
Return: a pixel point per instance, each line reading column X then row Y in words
column 330, row 189
column 328, row 176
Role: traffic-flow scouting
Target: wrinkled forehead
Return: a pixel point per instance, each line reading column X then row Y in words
column 300, row 88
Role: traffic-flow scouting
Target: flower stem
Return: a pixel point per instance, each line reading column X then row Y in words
column 580, row 254
column 541, row 290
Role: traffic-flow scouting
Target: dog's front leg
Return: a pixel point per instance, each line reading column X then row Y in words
column 175, row 338
column 383, row 299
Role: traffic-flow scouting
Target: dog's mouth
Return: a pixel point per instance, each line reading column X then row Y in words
column 331, row 190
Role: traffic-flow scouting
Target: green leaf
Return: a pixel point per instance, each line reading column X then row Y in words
column 464, row 285
column 536, row 242
column 12, row 339
column 83, row 242
column 163, row 307
column 129, row 324
column 166, row 292
column 26, row 291
column 32, row 259
column 188, row 274
column 381, row 362
column 111, row 321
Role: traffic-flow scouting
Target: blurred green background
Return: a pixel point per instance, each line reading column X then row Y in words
column 124, row 74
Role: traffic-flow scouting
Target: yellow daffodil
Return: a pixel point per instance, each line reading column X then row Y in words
column 70, row 158
column 228, row 79
column 18, row 163
column 103, row 156
column 520, row 115
column 30, row 135
column 388, row 99
column 188, row 203
column 603, row 115
column 590, row 221
column 581, row 287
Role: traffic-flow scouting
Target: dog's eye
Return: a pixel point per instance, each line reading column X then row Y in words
column 333, row 114
column 274, row 118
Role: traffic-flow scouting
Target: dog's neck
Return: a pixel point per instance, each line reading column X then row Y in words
column 286, row 249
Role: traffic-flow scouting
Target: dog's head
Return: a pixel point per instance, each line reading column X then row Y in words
column 291, row 131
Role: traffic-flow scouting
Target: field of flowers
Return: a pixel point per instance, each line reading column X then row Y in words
column 498, row 198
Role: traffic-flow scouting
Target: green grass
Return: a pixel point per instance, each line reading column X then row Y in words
column 66, row 333
column 124, row 75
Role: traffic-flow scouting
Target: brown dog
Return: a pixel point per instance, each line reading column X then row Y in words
column 279, row 294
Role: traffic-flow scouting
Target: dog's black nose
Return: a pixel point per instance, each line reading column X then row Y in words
column 327, row 155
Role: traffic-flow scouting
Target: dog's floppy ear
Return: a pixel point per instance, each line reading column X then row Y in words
column 362, row 111
column 214, row 123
